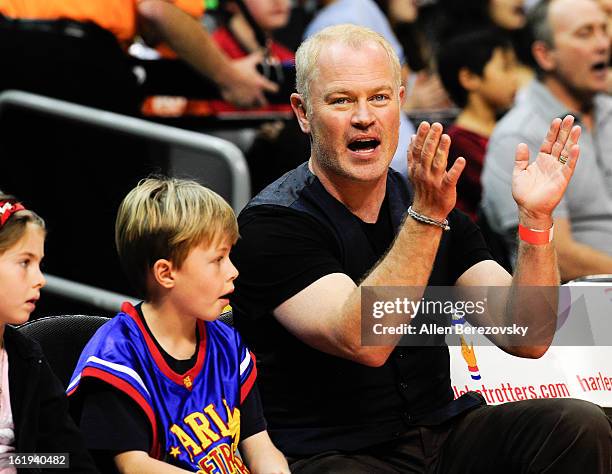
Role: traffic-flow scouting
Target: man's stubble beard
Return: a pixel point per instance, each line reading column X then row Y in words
column 325, row 160
column 583, row 97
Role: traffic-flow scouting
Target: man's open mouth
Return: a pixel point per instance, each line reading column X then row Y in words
column 600, row 66
column 363, row 145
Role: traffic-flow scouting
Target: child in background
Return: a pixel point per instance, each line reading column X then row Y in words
column 33, row 408
column 238, row 39
column 457, row 17
column 279, row 145
column 477, row 70
column 163, row 386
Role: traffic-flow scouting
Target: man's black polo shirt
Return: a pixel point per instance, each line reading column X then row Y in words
column 294, row 233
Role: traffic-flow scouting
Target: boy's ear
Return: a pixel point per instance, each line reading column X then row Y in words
column 468, row 79
column 163, row 273
column 299, row 109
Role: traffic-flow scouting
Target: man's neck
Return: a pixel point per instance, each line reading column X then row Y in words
column 575, row 103
column 477, row 117
column 363, row 199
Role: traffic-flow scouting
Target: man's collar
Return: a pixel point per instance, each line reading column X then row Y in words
column 544, row 100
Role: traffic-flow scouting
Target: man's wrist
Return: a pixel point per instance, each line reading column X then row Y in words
column 428, row 220
column 535, row 221
column 429, row 212
column 535, row 236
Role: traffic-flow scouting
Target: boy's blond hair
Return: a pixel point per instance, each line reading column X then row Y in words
column 164, row 218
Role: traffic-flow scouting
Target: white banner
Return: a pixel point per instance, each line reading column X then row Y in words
column 583, row 372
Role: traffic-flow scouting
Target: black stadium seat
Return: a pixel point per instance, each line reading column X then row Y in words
column 62, row 339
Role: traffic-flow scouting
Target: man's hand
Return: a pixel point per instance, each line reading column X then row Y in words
column 538, row 187
column 246, row 87
column 435, row 190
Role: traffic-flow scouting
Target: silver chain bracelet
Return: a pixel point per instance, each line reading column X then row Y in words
column 428, row 220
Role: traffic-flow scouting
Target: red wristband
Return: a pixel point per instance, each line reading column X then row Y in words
column 534, row 236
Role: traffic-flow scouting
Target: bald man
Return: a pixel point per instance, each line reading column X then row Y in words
column 572, row 51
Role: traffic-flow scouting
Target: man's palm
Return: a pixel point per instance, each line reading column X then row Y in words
column 538, row 187
column 541, row 185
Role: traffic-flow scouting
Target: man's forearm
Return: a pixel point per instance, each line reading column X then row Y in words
column 410, row 259
column 536, row 264
column 408, row 263
column 186, row 37
column 530, row 306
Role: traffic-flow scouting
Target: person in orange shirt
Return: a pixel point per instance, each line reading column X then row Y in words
column 74, row 50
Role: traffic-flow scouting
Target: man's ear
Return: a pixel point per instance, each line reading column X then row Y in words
column 402, row 95
column 163, row 273
column 299, row 109
column 544, row 55
column 469, row 80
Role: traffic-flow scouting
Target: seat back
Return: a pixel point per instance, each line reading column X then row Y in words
column 62, row 339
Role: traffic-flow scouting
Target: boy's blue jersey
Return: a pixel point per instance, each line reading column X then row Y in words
column 195, row 416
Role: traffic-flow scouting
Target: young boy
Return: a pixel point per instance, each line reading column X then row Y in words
column 163, row 383
column 478, row 71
